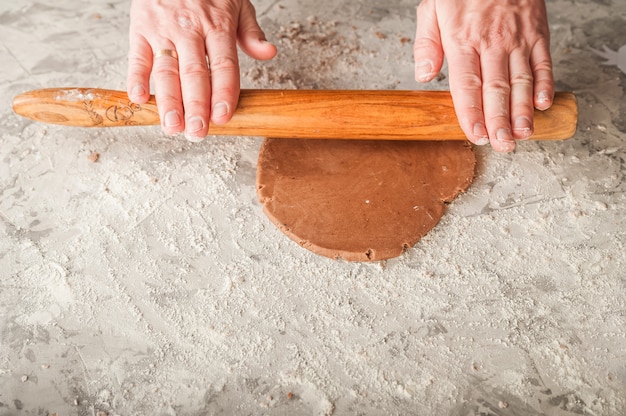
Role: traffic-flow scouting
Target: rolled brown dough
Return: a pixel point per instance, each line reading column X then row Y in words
column 360, row 200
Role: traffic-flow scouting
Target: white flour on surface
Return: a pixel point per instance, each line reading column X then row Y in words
column 149, row 281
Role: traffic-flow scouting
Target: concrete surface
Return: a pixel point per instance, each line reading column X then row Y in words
column 150, row 282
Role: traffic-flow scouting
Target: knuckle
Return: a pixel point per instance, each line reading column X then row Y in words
column 498, row 86
column 225, row 93
column 423, row 44
column 522, row 79
column 497, row 37
column 166, row 100
column 187, row 20
column 197, row 104
column 194, row 70
column 166, row 97
column 139, row 62
column 224, row 63
column 543, row 65
column 498, row 109
column 470, row 81
column 162, row 71
column 497, row 106
column 498, row 118
column 503, row 37
column 222, row 21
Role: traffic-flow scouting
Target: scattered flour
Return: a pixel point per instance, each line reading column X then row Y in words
column 151, row 282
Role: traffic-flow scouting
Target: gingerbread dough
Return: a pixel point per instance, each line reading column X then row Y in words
column 360, row 200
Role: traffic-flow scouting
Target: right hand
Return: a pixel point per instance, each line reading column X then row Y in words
column 499, row 63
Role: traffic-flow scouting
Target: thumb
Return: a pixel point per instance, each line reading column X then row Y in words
column 251, row 37
column 427, row 49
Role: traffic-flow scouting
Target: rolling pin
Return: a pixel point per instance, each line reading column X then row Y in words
column 302, row 114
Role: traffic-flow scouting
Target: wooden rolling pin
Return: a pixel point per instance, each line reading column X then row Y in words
column 325, row 114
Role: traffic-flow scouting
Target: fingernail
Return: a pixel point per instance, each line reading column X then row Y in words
column 543, row 100
column 543, row 97
column 423, row 70
column 504, row 135
column 523, row 127
column 219, row 110
column 138, row 91
column 172, row 119
column 193, row 132
column 480, row 133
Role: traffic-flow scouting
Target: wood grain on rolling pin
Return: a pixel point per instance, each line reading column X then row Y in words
column 305, row 114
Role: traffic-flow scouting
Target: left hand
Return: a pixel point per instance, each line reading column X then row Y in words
column 196, row 79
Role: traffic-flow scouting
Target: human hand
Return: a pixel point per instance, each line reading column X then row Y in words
column 499, row 63
column 200, row 80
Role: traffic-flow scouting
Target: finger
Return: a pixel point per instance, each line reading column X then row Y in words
column 167, row 90
column 466, row 89
column 427, row 49
column 195, row 88
column 139, row 67
column 541, row 65
column 522, row 107
column 496, row 99
column 251, row 37
column 224, row 66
